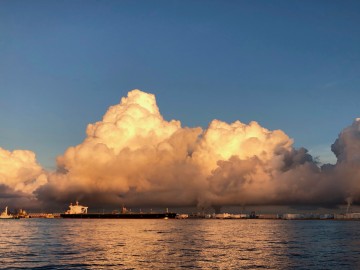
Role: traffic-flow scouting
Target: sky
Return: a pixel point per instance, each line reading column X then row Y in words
column 288, row 65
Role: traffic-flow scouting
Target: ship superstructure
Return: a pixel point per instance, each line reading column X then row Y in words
column 77, row 209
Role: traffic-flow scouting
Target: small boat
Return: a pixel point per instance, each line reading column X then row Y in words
column 5, row 214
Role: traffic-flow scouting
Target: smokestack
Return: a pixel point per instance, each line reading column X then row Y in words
column 349, row 201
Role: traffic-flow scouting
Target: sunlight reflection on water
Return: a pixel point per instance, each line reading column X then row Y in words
column 174, row 244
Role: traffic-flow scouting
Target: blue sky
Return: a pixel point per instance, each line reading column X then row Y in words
column 289, row 65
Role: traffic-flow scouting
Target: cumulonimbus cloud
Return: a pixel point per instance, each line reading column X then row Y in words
column 134, row 156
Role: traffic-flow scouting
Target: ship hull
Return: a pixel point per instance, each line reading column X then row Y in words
column 121, row 216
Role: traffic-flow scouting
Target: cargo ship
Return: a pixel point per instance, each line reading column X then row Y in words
column 79, row 211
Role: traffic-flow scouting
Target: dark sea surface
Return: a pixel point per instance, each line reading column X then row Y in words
column 179, row 244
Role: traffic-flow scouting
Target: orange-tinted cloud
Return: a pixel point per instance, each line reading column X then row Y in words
column 134, row 156
column 20, row 176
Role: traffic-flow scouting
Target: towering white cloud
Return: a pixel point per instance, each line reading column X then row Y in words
column 134, row 156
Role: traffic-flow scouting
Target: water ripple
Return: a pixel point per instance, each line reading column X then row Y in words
column 176, row 244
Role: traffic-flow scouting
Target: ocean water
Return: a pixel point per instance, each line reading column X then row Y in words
column 179, row 244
